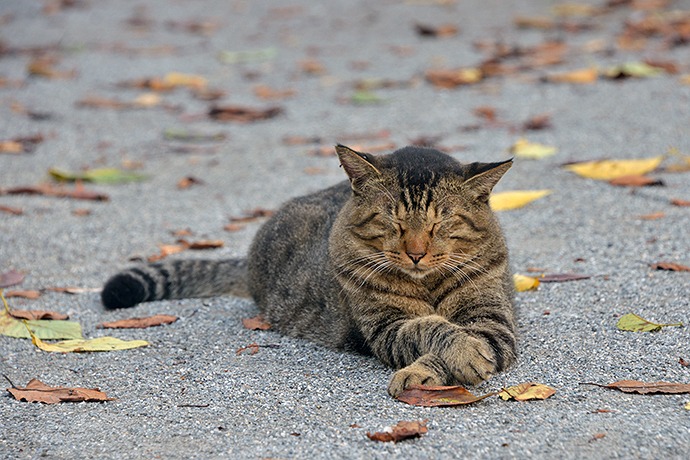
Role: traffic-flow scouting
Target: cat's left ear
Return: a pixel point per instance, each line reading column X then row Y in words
column 482, row 177
column 358, row 166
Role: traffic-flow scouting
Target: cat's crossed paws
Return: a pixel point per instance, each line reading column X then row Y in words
column 470, row 364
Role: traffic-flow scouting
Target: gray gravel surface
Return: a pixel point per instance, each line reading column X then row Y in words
column 189, row 395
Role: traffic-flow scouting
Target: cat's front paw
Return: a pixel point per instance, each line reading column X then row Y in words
column 414, row 374
column 471, row 362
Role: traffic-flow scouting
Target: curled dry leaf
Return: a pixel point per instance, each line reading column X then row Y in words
column 443, row 396
column 37, row 391
column 442, row 31
column 266, row 92
column 525, row 283
column 242, row 114
column 139, row 323
column 256, row 323
column 24, row 329
column 12, row 210
column 253, row 349
column 38, row 314
column 402, row 430
column 636, row 180
column 452, row 78
column 635, row 386
column 671, row 266
column 634, row 323
column 679, row 202
column 527, row 391
column 505, row 201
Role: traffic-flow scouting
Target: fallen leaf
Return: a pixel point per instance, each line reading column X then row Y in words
column 37, row 391
column 205, row 244
column 597, row 436
column 47, row 329
column 537, row 122
column 253, row 347
column 38, row 314
column 485, row 113
column 683, row 362
column 612, row 169
column 634, row 323
column 312, row 67
column 505, row 201
column 653, row 216
column 169, row 82
column 256, row 323
column 44, row 66
column 527, row 391
column 441, row 396
column 366, row 97
column 526, row 149
column 671, row 266
column 100, row 175
column 188, row 181
column 452, row 78
column 167, row 250
column 632, row 70
column 266, row 92
column 77, row 193
column 88, row 345
column 11, row 278
column 27, row 294
column 251, row 216
column 22, row 144
column 636, row 180
column 402, row 430
column 12, row 210
column 442, row 31
column 687, row 406
column 562, row 277
column 525, row 283
column 243, row 114
column 635, row 386
column 184, row 135
column 679, row 202
column 139, row 323
column 73, row 290
column 534, row 22
column 582, row 76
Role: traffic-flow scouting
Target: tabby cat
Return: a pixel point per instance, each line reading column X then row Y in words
column 405, row 261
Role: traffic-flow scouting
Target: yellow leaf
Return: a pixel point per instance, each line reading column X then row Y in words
column 505, row 201
column 147, row 100
column 685, row 79
column 635, row 323
column 526, row 149
column 612, row 169
column 582, row 76
column 182, row 79
column 525, row 283
column 687, row 405
column 47, row 329
column 527, row 391
column 84, row 345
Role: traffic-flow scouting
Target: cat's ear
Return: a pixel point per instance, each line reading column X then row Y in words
column 481, row 178
column 358, row 166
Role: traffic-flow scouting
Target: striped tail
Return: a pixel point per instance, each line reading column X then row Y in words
column 178, row 279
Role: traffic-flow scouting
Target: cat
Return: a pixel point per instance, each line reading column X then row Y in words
column 405, row 261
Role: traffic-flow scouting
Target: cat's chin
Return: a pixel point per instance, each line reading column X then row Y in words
column 417, row 272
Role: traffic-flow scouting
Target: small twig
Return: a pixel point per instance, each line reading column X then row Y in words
column 8, row 379
column 193, row 405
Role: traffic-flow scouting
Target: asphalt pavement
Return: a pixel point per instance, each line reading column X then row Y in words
column 190, row 394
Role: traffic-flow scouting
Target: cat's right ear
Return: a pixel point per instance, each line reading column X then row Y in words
column 358, row 166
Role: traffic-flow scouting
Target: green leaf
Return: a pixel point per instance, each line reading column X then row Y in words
column 633, row 69
column 100, row 175
column 634, row 323
column 44, row 329
column 364, row 97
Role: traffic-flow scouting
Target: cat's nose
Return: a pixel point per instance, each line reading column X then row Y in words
column 415, row 256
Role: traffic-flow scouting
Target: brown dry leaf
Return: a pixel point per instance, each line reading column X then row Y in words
column 683, row 362
column 253, row 349
column 11, row 210
column 242, row 114
column 562, row 277
column 671, row 266
column 527, row 391
column 643, row 388
column 45, row 67
column 198, row 27
column 78, row 192
column 167, row 250
column 679, row 202
column 188, row 181
column 486, row 113
column 233, row 227
column 452, row 78
column 256, row 323
column 252, row 215
column 139, row 323
column 442, row 31
column 653, row 216
column 33, row 295
column 534, row 22
column 266, row 92
column 204, row 244
column 312, row 67
column 37, row 391
column 11, row 278
column 402, row 430
column 582, row 76
column 538, row 122
column 21, row 144
column 443, row 396
column 37, row 314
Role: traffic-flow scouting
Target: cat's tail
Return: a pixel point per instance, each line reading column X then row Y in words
column 178, row 279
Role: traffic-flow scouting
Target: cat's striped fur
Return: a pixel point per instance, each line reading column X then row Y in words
column 406, row 261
